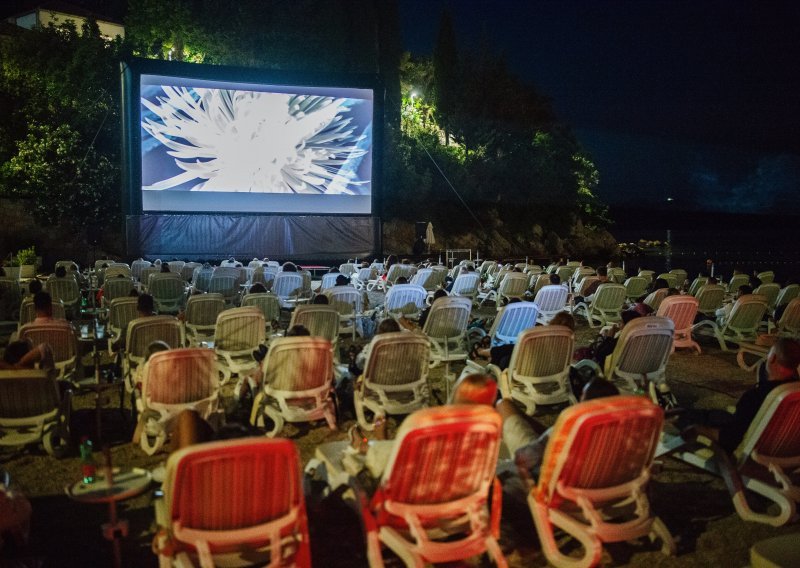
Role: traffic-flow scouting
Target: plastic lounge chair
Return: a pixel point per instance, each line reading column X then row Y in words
column 466, row 285
column 173, row 381
column 596, row 464
column 425, row 278
column 641, row 354
column 617, row 275
column 60, row 336
column 581, row 288
column 648, row 275
column 269, row 305
column 513, row 285
column 671, row 279
column 550, row 299
column 168, row 291
column 446, row 328
column 766, row 277
column 200, row 319
column 141, row 333
column 240, row 331
column 770, row 292
column 681, row 276
column 288, row 287
column 233, row 503
column 432, row 502
column 606, row 307
column 121, row 312
column 348, row 302
column 635, row 288
column 363, row 277
column 741, row 325
column 405, row 300
column 298, row 384
column 32, row 411
column 787, row 294
column 789, row 324
column 736, row 281
column 511, row 320
column 538, row 372
column 696, row 284
column 655, row 298
column 682, row 311
column 710, row 298
column 765, row 458
column 538, row 281
column 395, row 378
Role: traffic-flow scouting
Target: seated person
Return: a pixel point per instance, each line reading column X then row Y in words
column 358, row 360
column 588, row 294
column 725, row 311
column 526, row 439
column 23, row 354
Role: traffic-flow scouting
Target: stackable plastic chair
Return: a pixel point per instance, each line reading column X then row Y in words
column 137, row 266
column 395, row 378
column 598, row 460
column 709, row 299
column 233, row 503
column 118, row 287
column 298, row 384
column 328, row 280
column 116, row 270
column 682, row 311
column 641, row 353
column 551, row 299
column 32, row 411
column 141, row 333
column 60, row 336
column 766, row 457
column 201, row 278
column 348, row 302
column 240, row 331
column 288, row 287
column 741, row 325
column 201, row 315
column 67, row 291
column 538, row 372
column 319, row 319
column 225, row 285
column 510, row 321
column 446, row 328
column 146, row 273
column 432, row 502
column 635, row 287
column 187, row 272
column 269, row 304
column 405, row 300
column 176, row 266
column 606, row 307
column 121, row 312
column 168, row 291
column 173, row 381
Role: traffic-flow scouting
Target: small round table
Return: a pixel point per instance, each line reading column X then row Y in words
column 125, row 483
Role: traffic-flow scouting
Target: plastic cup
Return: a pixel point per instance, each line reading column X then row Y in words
column 84, row 330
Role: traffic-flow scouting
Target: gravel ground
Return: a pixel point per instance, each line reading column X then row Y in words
column 694, row 505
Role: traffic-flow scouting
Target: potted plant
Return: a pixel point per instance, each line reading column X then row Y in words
column 26, row 260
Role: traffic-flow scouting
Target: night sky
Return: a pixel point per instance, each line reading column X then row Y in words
column 691, row 100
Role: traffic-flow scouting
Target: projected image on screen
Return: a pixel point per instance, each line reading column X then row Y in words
column 214, row 146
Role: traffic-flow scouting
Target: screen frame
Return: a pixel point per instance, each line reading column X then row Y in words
column 133, row 68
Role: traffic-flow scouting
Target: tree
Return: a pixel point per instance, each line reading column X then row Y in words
column 445, row 68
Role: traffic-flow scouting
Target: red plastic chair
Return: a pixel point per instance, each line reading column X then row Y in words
column 432, row 502
column 598, row 460
column 230, row 500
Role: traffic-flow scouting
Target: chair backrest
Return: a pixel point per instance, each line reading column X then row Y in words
column 442, row 455
column 736, row 281
column 395, row 271
column 58, row 334
column 287, row 284
column 176, row 266
column 511, row 320
column 789, row 324
column 787, row 294
column 203, row 309
column 680, row 276
column 514, row 285
column 166, row 287
column 565, row 272
column 118, row 269
column 671, row 279
column 143, row 331
column 466, row 284
column 766, row 277
column 425, row 278
column 647, row 275
column 187, row 272
column 240, row 329
column 680, row 309
column 405, row 298
column 599, row 444
column 180, row 376
column 252, row 485
column 710, row 298
column 348, row 268
column 643, row 347
column 146, row 272
column 65, row 289
column 774, row 433
column 747, row 313
column 770, row 292
column 346, row 300
column 542, row 351
column 117, row 287
column 27, row 311
column 269, row 304
column 448, row 317
column 329, row 280
column 137, row 266
column 298, row 363
column 27, row 393
column 635, row 287
column 320, row 320
column 551, row 298
column 696, row 284
column 617, row 275
column 98, row 264
column 121, row 312
column 68, row 264
column 397, row 358
column 538, row 281
column 486, row 266
column 609, row 297
column 655, row 298
column 584, row 284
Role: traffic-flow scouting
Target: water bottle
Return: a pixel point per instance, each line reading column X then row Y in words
column 88, row 466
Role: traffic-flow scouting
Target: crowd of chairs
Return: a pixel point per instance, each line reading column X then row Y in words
column 440, row 479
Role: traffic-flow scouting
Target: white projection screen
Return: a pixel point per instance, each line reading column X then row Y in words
column 221, row 146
